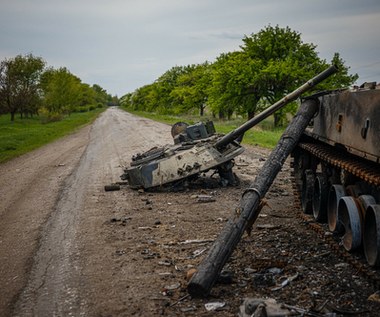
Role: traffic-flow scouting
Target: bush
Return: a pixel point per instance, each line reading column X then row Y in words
column 81, row 109
column 47, row 117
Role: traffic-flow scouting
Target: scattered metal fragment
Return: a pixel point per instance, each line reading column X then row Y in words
column 188, row 309
column 285, row 282
column 165, row 263
column 260, row 307
column 196, row 241
column 111, row 187
column 205, row 198
column 214, row 305
column 268, row 226
column 198, row 252
column 173, row 286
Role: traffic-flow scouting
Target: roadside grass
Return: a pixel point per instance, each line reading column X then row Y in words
column 24, row 135
column 264, row 134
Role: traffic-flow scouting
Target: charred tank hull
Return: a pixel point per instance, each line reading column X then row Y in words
column 337, row 168
column 350, row 119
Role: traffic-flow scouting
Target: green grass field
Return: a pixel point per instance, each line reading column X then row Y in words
column 24, row 135
column 263, row 134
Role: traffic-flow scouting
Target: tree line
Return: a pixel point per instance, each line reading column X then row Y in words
column 269, row 64
column 28, row 87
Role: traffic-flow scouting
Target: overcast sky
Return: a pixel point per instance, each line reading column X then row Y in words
column 125, row 44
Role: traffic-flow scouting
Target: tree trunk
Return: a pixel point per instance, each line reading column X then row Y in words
column 278, row 119
column 201, row 112
column 209, row 269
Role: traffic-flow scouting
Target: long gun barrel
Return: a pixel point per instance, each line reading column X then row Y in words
column 228, row 138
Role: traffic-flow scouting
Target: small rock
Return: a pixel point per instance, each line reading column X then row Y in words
column 188, row 309
column 173, row 286
column 342, row 265
column 165, row 262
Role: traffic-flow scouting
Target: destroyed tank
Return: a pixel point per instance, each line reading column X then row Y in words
column 337, row 168
column 198, row 149
column 193, row 153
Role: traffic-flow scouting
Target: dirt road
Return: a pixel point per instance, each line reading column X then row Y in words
column 68, row 248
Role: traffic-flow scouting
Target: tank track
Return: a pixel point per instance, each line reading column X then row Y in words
column 371, row 274
column 357, row 167
column 366, row 171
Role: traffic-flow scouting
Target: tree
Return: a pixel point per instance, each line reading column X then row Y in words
column 19, row 84
column 342, row 79
column 164, row 102
column 86, row 97
column 62, row 91
column 235, row 85
column 287, row 62
column 101, row 96
column 144, row 98
column 190, row 91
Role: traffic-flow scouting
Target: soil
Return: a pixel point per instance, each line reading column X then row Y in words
column 70, row 248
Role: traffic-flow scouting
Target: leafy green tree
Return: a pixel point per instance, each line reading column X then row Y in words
column 62, row 91
column 190, row 91
column 235, row 85
column 161, row 91
column 342, row 79
column 287, row 62
column 101, row 96
column 19, row 84
column 86, row 97
column 145, row 98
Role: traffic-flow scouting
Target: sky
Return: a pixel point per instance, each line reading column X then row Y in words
column 122, row 45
